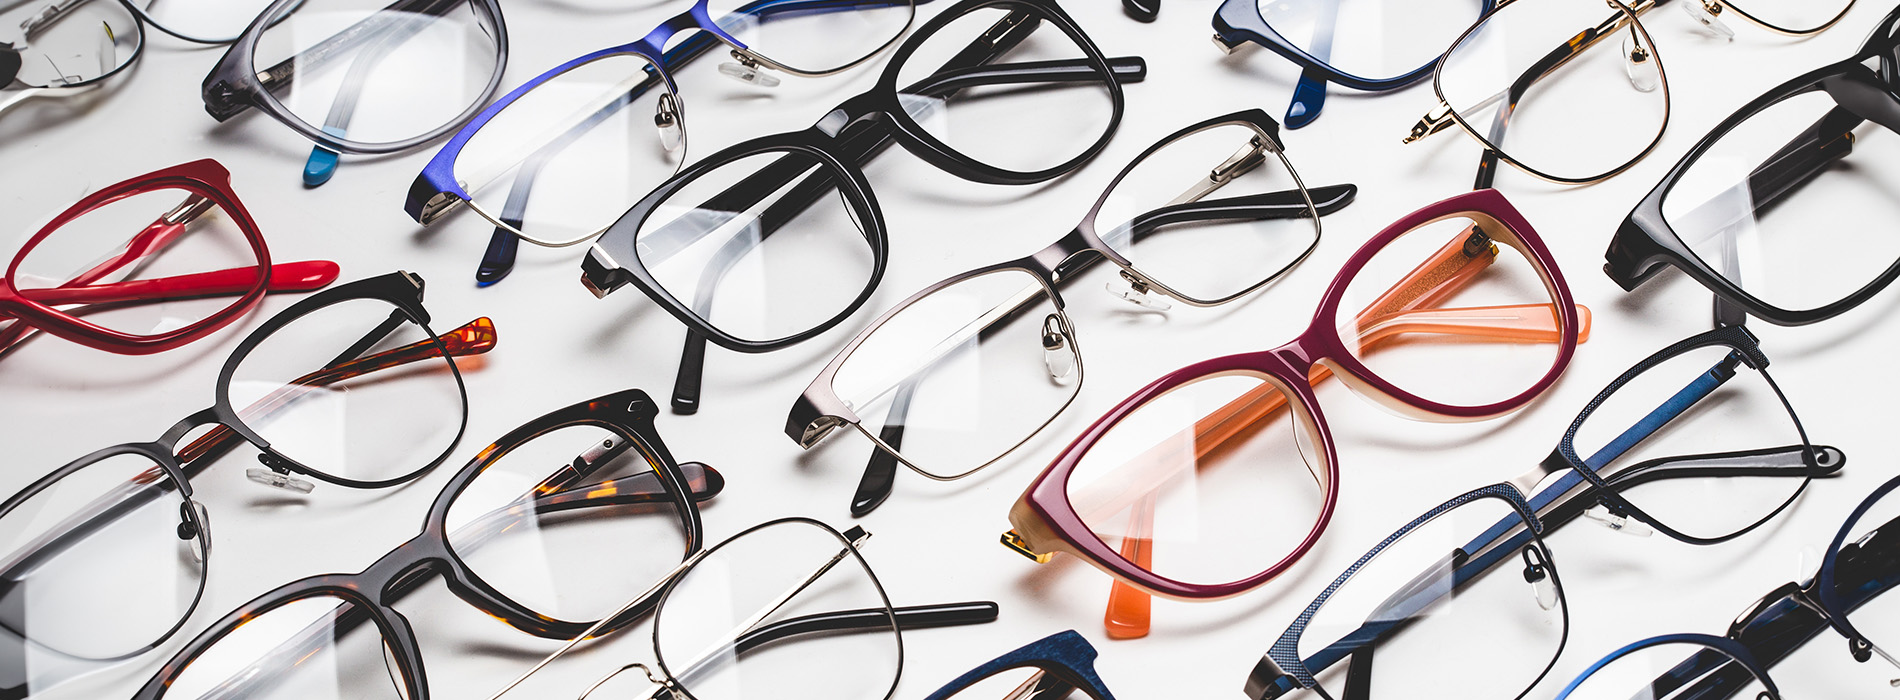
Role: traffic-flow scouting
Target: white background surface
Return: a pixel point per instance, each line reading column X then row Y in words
column 937, row 542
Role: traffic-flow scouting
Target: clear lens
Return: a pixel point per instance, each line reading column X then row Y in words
column 59, row 44
column 1372, row 39
column 1210, row 483
column 1426, row 603
column 819, row 40
column 1667, row 672
column 999, row 117
column 1019, row 682
column 355, row 390
column 1448, row 297
column 147, row 237
column 763, row 247
column 964, row 375
column 95, row 566
column 534, row 522
column 1805, row 16
column 719, row 630
column 1749, row 206
column 1574, row 113
column 1210, row 257
column 1730, row 458
column 373, row 72
column 217, row 20
column 1862, row 572
column 318, row 648
column 565, row 160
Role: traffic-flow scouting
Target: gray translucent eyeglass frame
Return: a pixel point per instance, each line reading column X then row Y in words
column 819, row 410
column 234, row 86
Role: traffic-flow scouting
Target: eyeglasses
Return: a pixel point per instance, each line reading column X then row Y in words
column 1845, row 595
column 784, row 232
column 349, row 386
column 602, row 129
column 1139, row 494
column 362, row 76
column 64, row 48
column 151, row 263
column 985, row 359
column 1526, row 66
column 1361, row 44
column 515, row 534
column 727, row 618
column 1727, row 214
column 1700, row 422
column 1052, row 667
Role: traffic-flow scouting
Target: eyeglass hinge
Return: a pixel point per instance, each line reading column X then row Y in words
column 1431, row 123
column 1225, row 46
column 1015, row 542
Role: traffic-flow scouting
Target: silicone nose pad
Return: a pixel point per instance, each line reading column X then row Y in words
column 194, row 530
column 1058, row 353
column 1537, row 574
column 1617, row 521
column 748, row 72
column 1128, row 289
column 666, row 118
column 1640, row 62
column 1705, row 16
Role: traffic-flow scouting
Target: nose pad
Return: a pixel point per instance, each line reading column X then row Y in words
column 1058, row 352
column 194, row 529
column 1707, row 15
column 744, row 68
column 1537, row 573
column 1640, row 62
column 666, row 117
column 1618, row 521
column 276, row 474
column 1129, row 289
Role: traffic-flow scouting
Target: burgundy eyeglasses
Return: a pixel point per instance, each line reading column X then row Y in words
column 1479, row 328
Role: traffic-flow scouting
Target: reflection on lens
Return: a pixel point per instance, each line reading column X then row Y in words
column 1437, row 598
column 95, row 566
column 62, row 44
column 1017, row 124
column 721, row 629
column 1668, row 671
column 147, row 237
column 318, row 648
column 964, row 375
column 377, row 73
column 565, row 160
column 1749, row 206
column 763, row 247
column 1734, row 443
column 1453, row 312
column 1572, row 112
column 1210, row 483
column 1208, row 257
column 355, row 390
column 1372, row 39
column 802, row 38
column 538, row 524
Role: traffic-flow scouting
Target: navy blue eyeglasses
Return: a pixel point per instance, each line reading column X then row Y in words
column 1861, row 563
column 1050, row 668
column 600, row 130
column 1698, row 420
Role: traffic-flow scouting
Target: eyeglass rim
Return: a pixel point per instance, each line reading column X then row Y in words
column 204, row 177
column 232, row 86
column 1238, row 21
column 1067, row 654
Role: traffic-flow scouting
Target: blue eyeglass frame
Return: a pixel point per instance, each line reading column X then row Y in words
column 436, row 192
column 1239, row 21
column 1066, row 655
column 1281, row 670
column 1723, row 646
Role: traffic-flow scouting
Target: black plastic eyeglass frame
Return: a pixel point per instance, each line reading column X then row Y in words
column 848, row 136
column 370, row 596
column 235, row 85
column 819, row 410
column 1645, row 243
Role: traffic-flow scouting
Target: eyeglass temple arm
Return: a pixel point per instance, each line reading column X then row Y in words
column 499, row 258
column 908, row 618
column 880, row 472
column 323, row 161
column 309, row 275
column 1309, row 94
column 860, row 144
